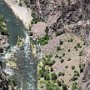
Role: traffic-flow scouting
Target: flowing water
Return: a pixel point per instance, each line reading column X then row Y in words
column 26, row 73
column 27, row 67
column 15, row 26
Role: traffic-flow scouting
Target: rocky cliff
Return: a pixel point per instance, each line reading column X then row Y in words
column 65, row 15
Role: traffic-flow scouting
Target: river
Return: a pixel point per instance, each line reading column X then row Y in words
column 14, row 25
column 25, row 76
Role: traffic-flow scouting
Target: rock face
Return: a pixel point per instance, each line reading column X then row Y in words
column 3, row 43
column 69, row 16
column 85, row 77
column 84, row 81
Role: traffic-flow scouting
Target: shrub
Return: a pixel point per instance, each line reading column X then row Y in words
column 46, row 30
column 78, row 45
column 81, row 53
column 44, row 40
column 74, row 78
column 73, row 67
column 61, row 42
column 51, row 69
column 64, row 86
column 58, row 48
column 56, row 56
column 58, row 33
column 26, row 2
column 61, row 74
column 84, row 43
column 74, row 86
column 59, row 83
column 63, row 54
column 51, row 86
column 62, row 60
column 69, row 59
column 53, row 76
column 50, row 63
column 41, row 73
column 70, row 40
column 46, row 76
column 60, row 57
column 81, row 66
column 35, row 18
column 75, row 47
column 76, row 73
column 68, row 50
column 66, row 67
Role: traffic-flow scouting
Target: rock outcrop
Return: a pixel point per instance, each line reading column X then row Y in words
column 65, row 15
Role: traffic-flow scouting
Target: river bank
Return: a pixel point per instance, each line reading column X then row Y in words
column 22, row 12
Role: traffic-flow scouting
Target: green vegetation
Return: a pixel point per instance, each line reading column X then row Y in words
column 59, row 83
column 64, row 87
column 62, row 60
column 75, row 47
column 76, row 73
column 81, row 66
column 58, row 48
column 44, row 69
column 49, row 76
column 63, row 54
column 61, row 42
column 69, row 59
column 47, row 30
column 79, row 45
column 46, row 75
column 44, row 40
column 68, row 50
column 74, row 86
column 81, row 53
column 60, row 57
column 61, row 74
column 56, row 56
column 75, row 76
column 53, row 76
column 51, row 69
column 84, row 43
column 27, row 3
column 35, row 18
column 58, row 33
column 52, row 86
column 70, row 40
column 73, row 67
column 3, row 28
column 66, row 67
